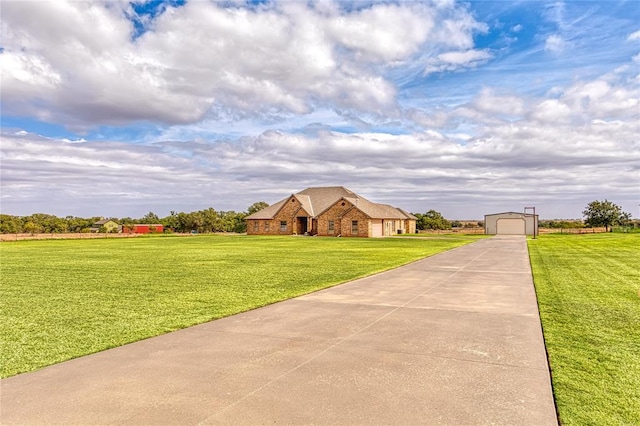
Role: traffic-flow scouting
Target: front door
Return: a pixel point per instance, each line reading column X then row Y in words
column 302, row 223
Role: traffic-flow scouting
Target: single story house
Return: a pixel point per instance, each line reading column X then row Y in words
column 511, row 223
column 330, row 211
column 108, row 225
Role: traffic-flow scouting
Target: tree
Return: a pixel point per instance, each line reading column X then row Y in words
column 561, row 224
column 211, row 221
column 78, row 224
column 255, row 207
column 10, row 224
column 431, row 220
column 604, row 213
column 32, row 227
column 232, row 221
column 150, row 218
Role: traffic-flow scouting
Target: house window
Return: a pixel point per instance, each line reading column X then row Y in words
column 354, row 226
column 283, row 226
column 256, row 226
column 331, row 226
column 266, row 226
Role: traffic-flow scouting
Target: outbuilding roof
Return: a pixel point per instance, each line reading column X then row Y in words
column 102, row 222
column 517, row 213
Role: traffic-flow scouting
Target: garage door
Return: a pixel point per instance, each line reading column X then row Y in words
column 376, row 228
column 511, row 226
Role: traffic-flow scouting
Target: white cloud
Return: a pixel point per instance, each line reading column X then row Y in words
column 438, row 119
column 600, row 99
column 489, row 102
column 457, row 28
column 551, row 111
column 555, row 43
column 610, row 97
column 76, row 63
column 275, row 97
column 452, row 61
column 634, row 36
column 464, row 58
column 385, row 33
column 538, row 158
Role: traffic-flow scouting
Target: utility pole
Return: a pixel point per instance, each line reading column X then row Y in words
column 535, row 220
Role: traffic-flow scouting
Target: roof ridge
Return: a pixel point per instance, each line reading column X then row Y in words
column 315, row 200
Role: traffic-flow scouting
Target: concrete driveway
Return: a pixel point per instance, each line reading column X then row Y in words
column 454, row 339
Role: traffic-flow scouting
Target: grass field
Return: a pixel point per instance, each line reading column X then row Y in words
column 588, row 290
column 62, row 299
column 443, row 235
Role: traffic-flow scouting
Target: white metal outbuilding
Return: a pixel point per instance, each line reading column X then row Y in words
column 511, row 223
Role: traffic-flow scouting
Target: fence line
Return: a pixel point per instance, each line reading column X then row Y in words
column 53, row 236
column 572, row 230
column 453, row 231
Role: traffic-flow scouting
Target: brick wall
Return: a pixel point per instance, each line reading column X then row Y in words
column 342, row 213
column 334, row 213
column 364, row 224
column 287, row 213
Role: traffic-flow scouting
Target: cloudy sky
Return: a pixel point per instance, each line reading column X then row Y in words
column 118, row 108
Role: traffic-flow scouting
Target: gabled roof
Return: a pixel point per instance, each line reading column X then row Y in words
column 305, row 201
column 268, row 212
column 375, row 210
column 103, row 221
column 407, row 214
column 516, row 213
column 316, row 200
column 323, row 197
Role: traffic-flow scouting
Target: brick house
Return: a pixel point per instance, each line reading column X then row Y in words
column 330, row 211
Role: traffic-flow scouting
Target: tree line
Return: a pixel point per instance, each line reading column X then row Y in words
column 597, row 213
column 434, row 220
column 201, row 221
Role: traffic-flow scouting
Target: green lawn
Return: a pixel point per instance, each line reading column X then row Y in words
column 62, row 299
column 442, row 235
column 588, row 290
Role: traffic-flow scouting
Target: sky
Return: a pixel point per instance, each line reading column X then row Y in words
column 119, row 108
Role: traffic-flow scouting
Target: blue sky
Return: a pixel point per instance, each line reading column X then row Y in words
column 119, row 108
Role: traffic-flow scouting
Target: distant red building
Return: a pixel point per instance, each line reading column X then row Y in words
column 142, row 229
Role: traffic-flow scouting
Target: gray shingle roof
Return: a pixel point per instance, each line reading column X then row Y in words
column 316, row 200
column 321, row 198
column 267, row 212
column 407, row 214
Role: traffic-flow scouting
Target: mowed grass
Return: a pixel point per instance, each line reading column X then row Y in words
column 66, row 298
column 588, row 289
column 441, row 235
